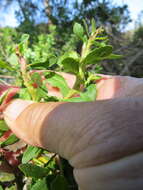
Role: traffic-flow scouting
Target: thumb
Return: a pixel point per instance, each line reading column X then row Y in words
column 12, row 112
column 14, row 109
column 27, row 119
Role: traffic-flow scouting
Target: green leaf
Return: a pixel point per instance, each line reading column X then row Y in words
column 13, row 60
column 90, row 94
column 36, row 78
column 70, row 65
column 78, row 30
column 24, row 38
column 92, row 77
column 30, row 153
column 70, row 54
column 1, row 187
column 74, row 99
column 23, row 45
column 1, row 133
column 10, row 140
column 71, row 93
column 40, row 184
column 42, row 93
column 86, row 26
column 70, row 62
column 52, row 60
column 102, row 38
column 59, row 183
column 41, row 65
column 114, row 56
column 4, row 94
column 3, row 126
column 57, row 80
column 93, row 26
column 44, row 62
column 98, row 54
column 4, row 65
column 6, row 177
column 34, row 171
column 24, row 94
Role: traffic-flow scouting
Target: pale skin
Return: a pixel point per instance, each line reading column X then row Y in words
column 102, row 140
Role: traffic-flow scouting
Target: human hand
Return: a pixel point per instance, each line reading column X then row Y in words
column 110, row 87
column 95, row 140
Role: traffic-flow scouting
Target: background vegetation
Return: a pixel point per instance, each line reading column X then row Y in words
column 55, row 18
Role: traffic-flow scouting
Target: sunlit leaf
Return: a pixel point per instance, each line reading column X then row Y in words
column 90, row 94
column 36, row 78
column 30, row 153
column 93, row 26
column 13, row 60
column 40, row 185
column 74, row 99
column 3, row 126
column 78, row 30
column 114, row 56
column 98, row 54
column 70, row 65
column 23, row 45
column 24, row 94
column 4, row 65
column 10, row 140
column 57, row 80
column 24, row 38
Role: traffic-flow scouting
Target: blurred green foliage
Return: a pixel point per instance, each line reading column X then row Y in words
column 49, row 22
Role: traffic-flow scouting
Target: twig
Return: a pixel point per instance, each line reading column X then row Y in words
column 7, row 77
column 25, row 75
column 51, row 159
column 4, row 82
column 126, row 68
column 58, row 160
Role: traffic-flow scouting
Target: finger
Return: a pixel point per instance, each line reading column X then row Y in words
column 12, row 111
column 53, row 91
column 108, row 87
column 51, row 126
column 15, row 108
column 70, row 79
column 125, row 173
column 97, row 133
column 25, row 119
column 103, row 78
column 119, row 86
column 4, row 87
column 11, row 91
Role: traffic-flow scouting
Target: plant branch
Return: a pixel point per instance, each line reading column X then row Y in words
column 25, row 75
column 51, row 159
column 126, row 68
column 58, row 160
column 6, row 76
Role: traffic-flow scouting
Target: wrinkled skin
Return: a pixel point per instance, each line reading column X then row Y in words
column 103, row 140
